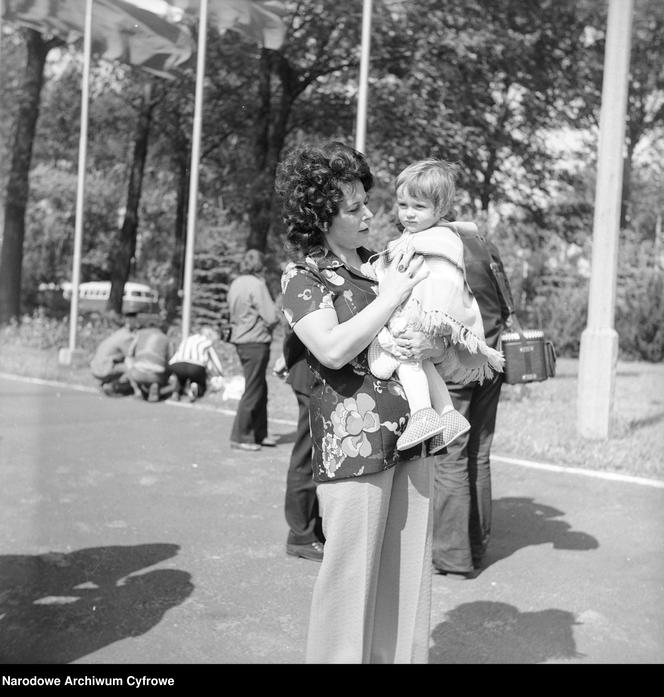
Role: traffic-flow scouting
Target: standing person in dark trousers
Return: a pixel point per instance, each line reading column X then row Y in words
column 462, row 485
column 305, row 534
column 253, row 316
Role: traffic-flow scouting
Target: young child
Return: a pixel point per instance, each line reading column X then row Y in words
column 191, row 364
column 442, row 306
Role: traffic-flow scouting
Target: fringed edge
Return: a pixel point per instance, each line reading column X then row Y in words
column 439, row 323
column 452, row 370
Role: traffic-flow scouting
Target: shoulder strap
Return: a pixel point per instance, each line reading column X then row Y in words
column 471, row 231
column 464, row 226
column 505, row 291
column 502, row 284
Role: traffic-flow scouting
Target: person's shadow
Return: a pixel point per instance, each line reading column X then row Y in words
column 522, row 522
column 491, row 632
column 57, row 607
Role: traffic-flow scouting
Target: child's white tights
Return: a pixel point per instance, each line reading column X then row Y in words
column 424, row 386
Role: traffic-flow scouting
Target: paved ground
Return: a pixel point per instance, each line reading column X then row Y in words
column 132, row 534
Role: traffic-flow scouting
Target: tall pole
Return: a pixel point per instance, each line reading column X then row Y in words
column 193, row 172
column 599, row 340
column 2, row 10
column 67, row 356
column 363, row 90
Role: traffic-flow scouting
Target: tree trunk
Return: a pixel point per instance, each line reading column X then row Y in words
column 173, row 298
column 269, row 142
column 11, row 260
column 124, row 249
column 626, row 195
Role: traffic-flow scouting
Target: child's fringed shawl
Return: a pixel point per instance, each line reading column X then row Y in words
column 443, row 305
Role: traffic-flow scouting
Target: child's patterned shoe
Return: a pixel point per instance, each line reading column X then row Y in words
column 422, row 425
column 456, row 425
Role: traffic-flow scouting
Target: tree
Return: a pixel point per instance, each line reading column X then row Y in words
column 482, row 84
column 645, row 119
column 11, row 258
column 124, row 249
column 303, row 85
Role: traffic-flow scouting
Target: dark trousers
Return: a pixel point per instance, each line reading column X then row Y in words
column 250, row 425
column 462, row 482
column 301, row 503
column 191, row 372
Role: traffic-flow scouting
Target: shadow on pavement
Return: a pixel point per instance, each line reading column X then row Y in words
column 490, row 632
column 58, row 607
column 522, row 522
column 646, row 421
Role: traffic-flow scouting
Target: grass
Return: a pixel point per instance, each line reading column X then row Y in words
column 535, row 421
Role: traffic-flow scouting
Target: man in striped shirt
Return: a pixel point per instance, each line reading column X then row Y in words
column 192, row 362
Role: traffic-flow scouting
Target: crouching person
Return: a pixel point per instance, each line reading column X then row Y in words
column 109, row 365
column 193, row 363
column 147, row 362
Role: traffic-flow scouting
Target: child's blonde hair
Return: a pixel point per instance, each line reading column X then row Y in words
column 431, row 180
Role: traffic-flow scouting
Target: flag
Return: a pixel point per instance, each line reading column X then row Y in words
column 145, row 33
column 258, row 20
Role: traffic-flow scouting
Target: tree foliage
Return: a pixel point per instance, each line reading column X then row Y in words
column 490, row 85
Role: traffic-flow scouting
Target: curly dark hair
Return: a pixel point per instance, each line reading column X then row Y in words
column 309, row 181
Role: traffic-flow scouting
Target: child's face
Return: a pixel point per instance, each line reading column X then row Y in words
column 415, row 214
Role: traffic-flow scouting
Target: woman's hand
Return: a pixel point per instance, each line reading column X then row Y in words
column 416, row 346
column 404, row 272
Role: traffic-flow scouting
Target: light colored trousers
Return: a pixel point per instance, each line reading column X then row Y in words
column 372, row 598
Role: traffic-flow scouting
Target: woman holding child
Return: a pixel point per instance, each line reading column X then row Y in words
column 371, row 601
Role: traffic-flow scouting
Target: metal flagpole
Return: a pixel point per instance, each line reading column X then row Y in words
column 193, row 172
column 361, row 126
column 2, row 9
column 67, row 356
column 599, row 340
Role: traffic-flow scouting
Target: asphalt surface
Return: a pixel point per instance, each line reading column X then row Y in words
column 132, row 534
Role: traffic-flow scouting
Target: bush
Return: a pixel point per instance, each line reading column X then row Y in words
column 640, row 315
column 39, row 331
column 562, row 316
column 551, row 289
column 216, row 264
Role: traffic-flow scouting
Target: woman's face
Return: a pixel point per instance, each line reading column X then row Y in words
column 349, row 229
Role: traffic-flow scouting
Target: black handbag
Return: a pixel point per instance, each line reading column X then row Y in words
column 529, row 356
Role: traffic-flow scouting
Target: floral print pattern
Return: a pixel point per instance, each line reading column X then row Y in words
column 352, row 420
column 356, row 418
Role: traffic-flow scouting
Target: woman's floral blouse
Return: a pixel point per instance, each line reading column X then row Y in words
column 356, row 418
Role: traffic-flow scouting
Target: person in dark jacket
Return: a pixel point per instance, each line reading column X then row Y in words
column 305, row 534
column 462, row 484
column 253, row 316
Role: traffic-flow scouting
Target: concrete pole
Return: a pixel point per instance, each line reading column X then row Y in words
column 363, row 88
column 73, row 356
column 599, row 340
column 193, row 172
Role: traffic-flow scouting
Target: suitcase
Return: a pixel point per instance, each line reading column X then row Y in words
column 529, row 357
